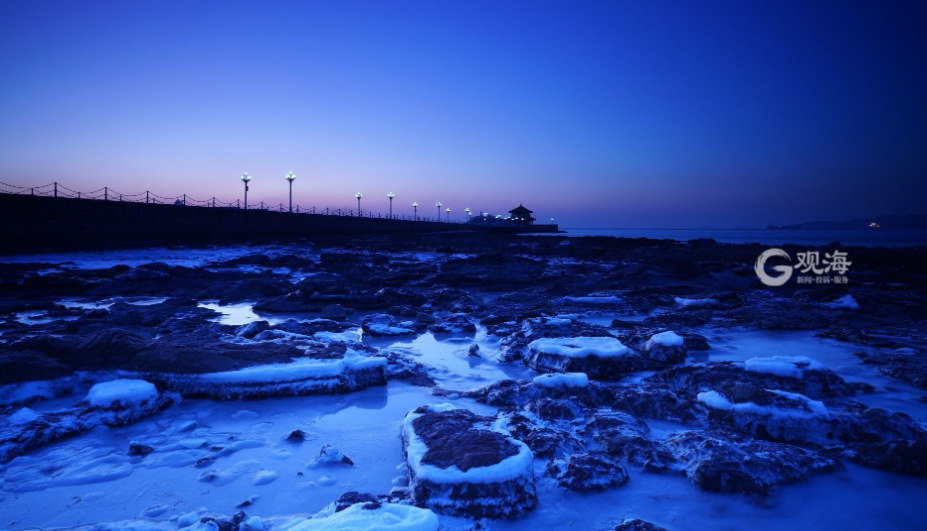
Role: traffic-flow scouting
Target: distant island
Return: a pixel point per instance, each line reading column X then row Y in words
column 887, row 222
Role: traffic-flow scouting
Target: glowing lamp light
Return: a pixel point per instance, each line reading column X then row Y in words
column 290, row 177
column 245, row 178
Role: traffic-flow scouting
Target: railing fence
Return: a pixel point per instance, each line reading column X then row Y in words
column 56, row 189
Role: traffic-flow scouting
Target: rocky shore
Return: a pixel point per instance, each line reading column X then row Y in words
column 611, row 335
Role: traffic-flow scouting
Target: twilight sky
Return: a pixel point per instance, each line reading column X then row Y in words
column 644, row 114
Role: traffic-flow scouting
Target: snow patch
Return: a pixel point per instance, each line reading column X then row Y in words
column 263, row 477
column 666, row 339
column 388, row 516
column 595, row 299
column 338, row 337
column 785, row 366
column 567, row 379
column 716, row 400
column 682, row 301
column 126, row 392
column 847, row 301
column 301, row 369
column 35, row 390
column 22, row 416
column 579, row 347
column 407, row 327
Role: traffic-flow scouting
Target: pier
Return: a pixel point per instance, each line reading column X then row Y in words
column 57, row 219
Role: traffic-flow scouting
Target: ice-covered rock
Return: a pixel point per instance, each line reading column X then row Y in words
column 303, row 376
column 23, row 416
column 580, row 347
column 329, row 455
column 725, row 462
column 117, row 404
column 367, row 499
column 657, row 402
column 517, row 332
column 665, row 348
column 252, row 329
column 597, row 357
column 814, row 382
column 690, row 303
column 122, row 392
column 588, row 472
column 460, row 466
column 403, row 366
column 568, row 379
column 521, row 394
column 27, row 392
column 882, row 439
column 906, row 363
column 544, row 439
column 595, row 298
column 771, row 414
column 785, row 366
column 627, row 437
column 636, row 336
column 382, row 324
column 846, row 302
column 554, row 409
column 360, row 517
column 457, row 323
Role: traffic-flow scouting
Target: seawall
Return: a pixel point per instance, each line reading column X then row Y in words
column 40, row 224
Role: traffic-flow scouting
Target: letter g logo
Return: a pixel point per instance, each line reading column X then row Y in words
column 760, row 268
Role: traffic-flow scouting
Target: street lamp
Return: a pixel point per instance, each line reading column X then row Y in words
column 391, row 195
column 448, row 214
column 469, row 213
column 358, row 195
column 291, row 177
column 415, row 210
column 438, row 204
column 245, row 178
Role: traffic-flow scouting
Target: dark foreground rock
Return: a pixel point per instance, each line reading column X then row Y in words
column 459, row 466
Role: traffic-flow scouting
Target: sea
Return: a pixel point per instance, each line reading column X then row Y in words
column 864, row 238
